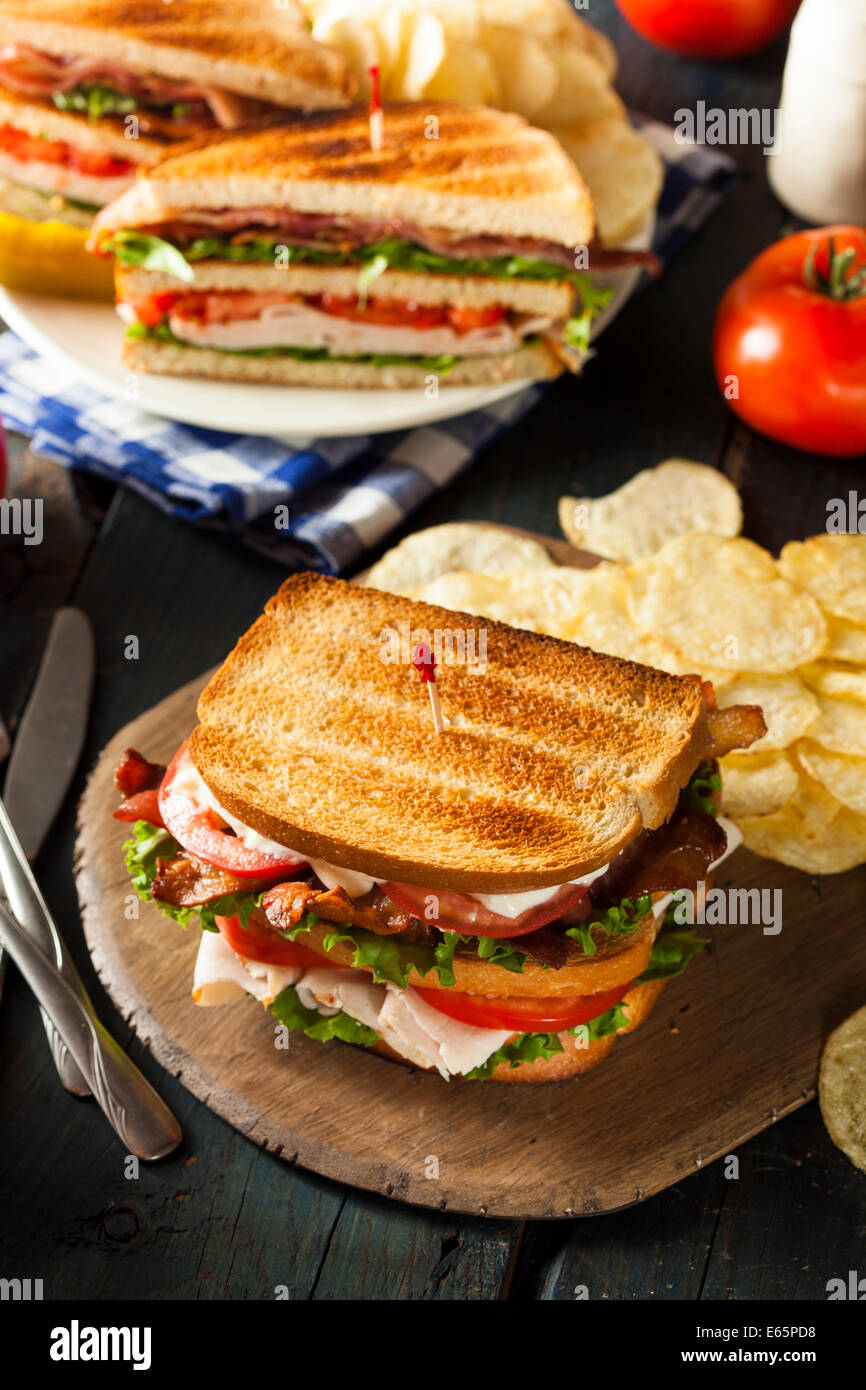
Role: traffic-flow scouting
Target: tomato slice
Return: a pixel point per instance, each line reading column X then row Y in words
column 261, row 943
column 463, row 320
column 527, row 1015
column 151, row 309
column 21, row 145
column 458, row 912
column 390, row 312
column 196, row 828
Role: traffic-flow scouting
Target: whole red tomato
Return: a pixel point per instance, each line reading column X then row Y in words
column 789, row 344
column 710, row 28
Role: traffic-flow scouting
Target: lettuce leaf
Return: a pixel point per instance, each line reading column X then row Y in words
column 150, row 252
column 129, row 246
column 700, row 787
column 390, row 959
column 150, row 843
column 609, row 922
column 288, row 1010
column 96, row 101
column 672, row 949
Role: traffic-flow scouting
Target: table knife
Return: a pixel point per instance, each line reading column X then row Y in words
column 142, row 1120
column 44, row 757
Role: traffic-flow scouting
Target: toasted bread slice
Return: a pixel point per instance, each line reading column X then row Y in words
column 554, row 298
column 245, row 46
column 316, row 731
column 535, row 362
column 486, row 172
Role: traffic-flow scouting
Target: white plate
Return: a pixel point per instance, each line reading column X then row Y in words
column 88, row 337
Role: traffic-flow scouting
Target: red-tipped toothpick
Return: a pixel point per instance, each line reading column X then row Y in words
column 377, row 115
column 422, row 660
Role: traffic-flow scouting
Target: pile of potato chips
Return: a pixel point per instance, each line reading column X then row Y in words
column 787, row 634
column 536, row 57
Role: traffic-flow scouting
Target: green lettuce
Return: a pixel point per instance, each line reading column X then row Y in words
column 609, row 922
column 672, row 949
column 150, row 843
column 288, row 1010
column 96, row 101
column 130, row 246
column 149, row 252
column 530, row 1046
column 701, row 786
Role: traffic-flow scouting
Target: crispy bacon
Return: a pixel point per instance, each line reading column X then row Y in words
column 736, row 726
column 285, row 905
column 187, row 881
column 676, row 855
column 135, row 774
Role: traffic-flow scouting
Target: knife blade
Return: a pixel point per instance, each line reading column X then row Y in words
column 50, row 735
column 44, row 758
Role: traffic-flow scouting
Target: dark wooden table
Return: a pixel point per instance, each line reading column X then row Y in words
column 222, row 1219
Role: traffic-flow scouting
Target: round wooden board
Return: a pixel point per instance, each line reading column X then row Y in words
column 732, row 1046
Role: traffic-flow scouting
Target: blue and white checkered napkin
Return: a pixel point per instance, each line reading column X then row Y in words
column 344, row 496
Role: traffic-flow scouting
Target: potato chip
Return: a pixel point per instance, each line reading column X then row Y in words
column 831, row 679
column 845, row 641
column 541, row 601
column 832, row 569
column 842, row 1087
column 757, row 785
column 426, row 46
column 583, row 92
column 843, row 776
column 720, row 602
column 549, row 20
column 789, row 707
column 652, row 508
column 527, row 73
column 467, row 75
column 599, row 618
column 623, row 171
column 458, row 545
column 798, row 835
column 841, row 725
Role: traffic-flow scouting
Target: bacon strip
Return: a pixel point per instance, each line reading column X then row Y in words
column 285, row 905
column 676, row 855
column 135, row 774
column 736, row 726
column 187, row 881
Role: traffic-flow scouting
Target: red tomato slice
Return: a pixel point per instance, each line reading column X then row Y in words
column 258, row 942
column 21, row 145
column 464, row 320
column 391, row 312
column 457, row 912
column 526, row 1015
column 195, row 827
column 151, row 309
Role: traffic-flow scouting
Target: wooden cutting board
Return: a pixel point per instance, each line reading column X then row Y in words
column 732, row 1046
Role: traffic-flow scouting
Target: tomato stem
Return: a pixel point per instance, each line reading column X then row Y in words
column 843, row 282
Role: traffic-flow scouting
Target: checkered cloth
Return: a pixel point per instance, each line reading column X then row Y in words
column 343, row 496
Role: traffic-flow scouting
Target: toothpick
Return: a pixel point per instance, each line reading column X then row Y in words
column 422, row 660
column 377, row 115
